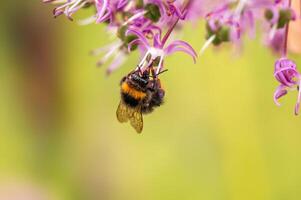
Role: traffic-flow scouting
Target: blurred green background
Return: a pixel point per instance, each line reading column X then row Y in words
column 219, row 135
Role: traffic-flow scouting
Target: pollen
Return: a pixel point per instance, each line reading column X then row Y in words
column 132, row 91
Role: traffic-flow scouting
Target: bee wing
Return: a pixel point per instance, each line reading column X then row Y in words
column 136, row 120
column 122, row 113
column 125, row 113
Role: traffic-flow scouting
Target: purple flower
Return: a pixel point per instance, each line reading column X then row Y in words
column 289, row 78
column 157, row 51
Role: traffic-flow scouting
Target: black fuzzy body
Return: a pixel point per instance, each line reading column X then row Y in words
column 129, row 100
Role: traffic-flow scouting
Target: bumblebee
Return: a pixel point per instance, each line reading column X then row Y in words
column 140, row 94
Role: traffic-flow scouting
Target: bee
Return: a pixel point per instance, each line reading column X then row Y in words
column 140, row 94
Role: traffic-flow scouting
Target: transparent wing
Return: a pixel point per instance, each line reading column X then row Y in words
column 122, row 113
column 125, row 113
column 136, row 120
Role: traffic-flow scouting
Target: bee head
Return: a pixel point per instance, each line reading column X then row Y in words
column 142, row 80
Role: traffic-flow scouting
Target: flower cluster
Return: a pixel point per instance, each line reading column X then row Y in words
column 137, row 24
column 147, row 26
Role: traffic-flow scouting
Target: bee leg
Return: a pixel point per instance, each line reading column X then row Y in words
column 154, row 75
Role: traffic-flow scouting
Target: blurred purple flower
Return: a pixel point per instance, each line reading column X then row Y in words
column 115, row 51
column 276, row 42
column 278, row 15
column 68, row 7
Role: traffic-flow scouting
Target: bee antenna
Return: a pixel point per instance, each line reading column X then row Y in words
column 162, row 72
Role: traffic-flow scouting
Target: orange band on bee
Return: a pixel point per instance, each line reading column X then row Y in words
column 132, row 92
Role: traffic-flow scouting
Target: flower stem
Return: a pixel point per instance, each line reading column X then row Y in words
column 166, row 36
column 286, row 33
column 172, row 27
